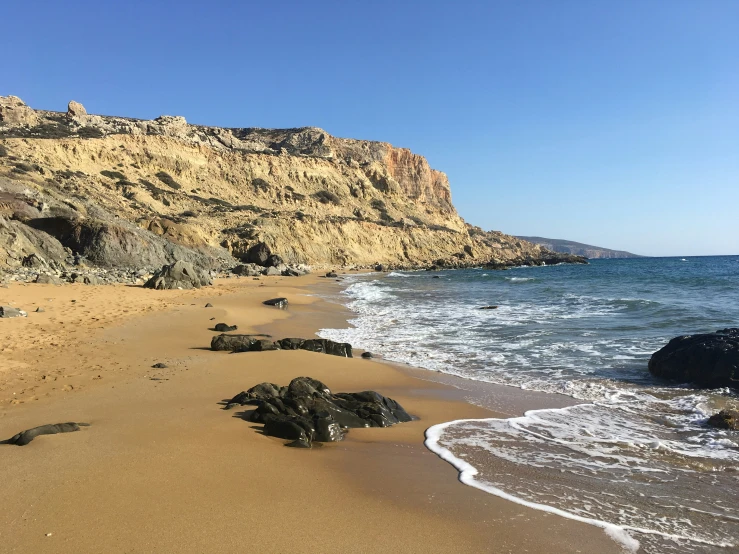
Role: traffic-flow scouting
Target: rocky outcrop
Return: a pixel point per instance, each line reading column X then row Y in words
column 306, row 411
column 126, row 192
column 708, row 360
column 179, row 275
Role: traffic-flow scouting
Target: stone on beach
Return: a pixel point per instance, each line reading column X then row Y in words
column 225, row 327
column 9, row 311
column 306, row 410
column 179, row 275
column 24, row 437
column 276, row 302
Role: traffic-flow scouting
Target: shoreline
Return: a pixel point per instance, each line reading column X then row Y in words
column 186, row 475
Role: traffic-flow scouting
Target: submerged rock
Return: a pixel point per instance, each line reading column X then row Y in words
column 708, row 360
column 179, row 275
column 306, row 411
column 24, row 437
column 725, row 419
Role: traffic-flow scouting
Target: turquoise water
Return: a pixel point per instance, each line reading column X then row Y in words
column 634, row 454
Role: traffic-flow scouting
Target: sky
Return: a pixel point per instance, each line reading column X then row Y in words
column 614, row 123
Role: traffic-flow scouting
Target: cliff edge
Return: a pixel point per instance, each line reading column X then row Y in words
column 124, row 192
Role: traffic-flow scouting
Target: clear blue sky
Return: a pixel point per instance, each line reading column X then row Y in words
column 609, row 122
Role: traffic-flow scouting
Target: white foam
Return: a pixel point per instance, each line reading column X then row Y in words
column 467, row 473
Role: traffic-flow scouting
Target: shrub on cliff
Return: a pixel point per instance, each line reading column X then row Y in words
column 326, row 197
column 167, row 179
column 117, row 175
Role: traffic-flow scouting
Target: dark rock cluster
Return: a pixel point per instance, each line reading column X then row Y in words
column 707, row 360
column 257, row 343
column 306, row 411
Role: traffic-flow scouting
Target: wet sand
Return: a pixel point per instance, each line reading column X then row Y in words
column 163, row 468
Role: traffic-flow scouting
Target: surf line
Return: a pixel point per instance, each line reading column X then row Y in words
column 467, row 473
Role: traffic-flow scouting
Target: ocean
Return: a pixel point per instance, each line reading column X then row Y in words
column 633, row 454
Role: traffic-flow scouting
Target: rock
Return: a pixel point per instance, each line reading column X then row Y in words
column 225, row 327
column 39, row 310
column 725, row 419
column 159, row 365
column 24, row 437
column 209, row 305
column 707, row 360
column 257, row 254
column 14, row 112
column 271, row 272
column 489, row 308
column 263, row 345
column 248, row 270
column 276, row 302
column 367, row 355
column 306, row 410
column 179, row 275
column 331, row 274
column 291, row 344
column 9, row 311
column 325, row 346
column 75, row 109
column 379, row 267
column 85, row 279
column 273, row 261
column 437, row 277
column 32, row 260
column 46, row 279
column 232, row 343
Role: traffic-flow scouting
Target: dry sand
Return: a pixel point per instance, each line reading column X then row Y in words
column 163, row 468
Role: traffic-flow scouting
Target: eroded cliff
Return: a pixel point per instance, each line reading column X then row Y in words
column 130, row 192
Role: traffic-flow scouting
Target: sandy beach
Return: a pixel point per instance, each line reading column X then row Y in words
column 163, row 468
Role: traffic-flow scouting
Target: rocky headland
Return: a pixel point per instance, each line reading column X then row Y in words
column 92, row 198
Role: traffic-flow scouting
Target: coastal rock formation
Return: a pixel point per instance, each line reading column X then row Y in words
column 179, row 275
column 579, row 249
column 127, row 193
column 256, row 343
column 306, row 411
column 725, row 419
column 708, row 360
column 24, row 437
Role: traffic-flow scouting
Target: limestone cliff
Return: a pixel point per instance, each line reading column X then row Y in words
column 123, row 191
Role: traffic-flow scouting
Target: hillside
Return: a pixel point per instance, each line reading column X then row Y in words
column 122, row 192
column 579, row 249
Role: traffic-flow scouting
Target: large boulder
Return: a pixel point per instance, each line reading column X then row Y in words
column 257, row 254
column 708, row 360
column 306, row 411
column 179, row 275
column 75, row 109
column 10, row 311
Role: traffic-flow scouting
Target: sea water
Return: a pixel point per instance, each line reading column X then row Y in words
column 633, row 455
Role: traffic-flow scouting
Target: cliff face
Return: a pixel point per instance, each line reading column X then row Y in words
column 117, row 189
